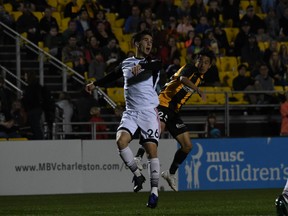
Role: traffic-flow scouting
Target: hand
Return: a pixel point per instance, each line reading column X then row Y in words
column 202, row 95
column 90, row 87
column 136, row 69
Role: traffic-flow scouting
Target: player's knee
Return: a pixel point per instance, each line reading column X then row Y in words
column 122, row 142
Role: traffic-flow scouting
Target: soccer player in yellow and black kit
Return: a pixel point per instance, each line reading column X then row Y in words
column 183, row 84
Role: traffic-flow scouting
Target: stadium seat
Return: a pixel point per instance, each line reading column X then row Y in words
column 194, row 99
column 3, row 139
column 8, row 7
column 228, row 63
column 118, row 32
column 226, row 77
column 38, row 14
column 63, row 2
column 18, row 139
column 111, row 17
column 53, row 3
column 117, row 95
column 16, row 14
column 245, row 3
column 58, row 18
column 119, row 23
column 64, row 24
column 231, row 33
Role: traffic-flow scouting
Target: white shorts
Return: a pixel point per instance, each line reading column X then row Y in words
column 146, row 120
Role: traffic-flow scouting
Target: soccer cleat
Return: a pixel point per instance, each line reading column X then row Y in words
column 138, row 163
column 138, row 181
column 152, row 201
column 281, row 206
column 171, row 179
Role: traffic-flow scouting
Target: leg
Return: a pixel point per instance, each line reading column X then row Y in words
column 281, row 202
column 154, row 170
column 123, row 138
column 179, row 157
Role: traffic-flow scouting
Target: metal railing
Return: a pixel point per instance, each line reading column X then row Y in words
column 44, row 56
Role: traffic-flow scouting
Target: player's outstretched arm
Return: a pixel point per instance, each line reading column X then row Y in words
column 190, row 84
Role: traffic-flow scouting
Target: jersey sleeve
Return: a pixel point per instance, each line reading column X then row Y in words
column 113, row 75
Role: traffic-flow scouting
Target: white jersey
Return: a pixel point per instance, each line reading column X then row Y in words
column 140, row 90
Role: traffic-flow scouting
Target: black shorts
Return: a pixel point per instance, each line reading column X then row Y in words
column 174, row 123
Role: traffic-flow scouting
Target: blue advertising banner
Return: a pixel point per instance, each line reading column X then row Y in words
column 235, row 163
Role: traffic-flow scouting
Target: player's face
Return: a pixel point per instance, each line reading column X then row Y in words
column 145, row 45
column 203, row 64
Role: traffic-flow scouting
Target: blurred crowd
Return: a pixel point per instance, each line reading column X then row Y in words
column 94, row 36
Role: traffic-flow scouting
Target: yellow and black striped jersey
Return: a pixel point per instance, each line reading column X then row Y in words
column 174, row 94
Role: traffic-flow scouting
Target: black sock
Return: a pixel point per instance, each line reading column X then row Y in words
column 179, row 157
column 140, row 152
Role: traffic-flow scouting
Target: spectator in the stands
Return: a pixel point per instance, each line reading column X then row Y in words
column 284, row 116
column 7, row 127
column 72, row 30
column 29, row 24
column 254, row 20
column 222, row 39
column 183, row 9
column 213, row 12
column 196, row 45
column 241, row 37
column 173, row 68
column 83, row 22
column 262, row 35
column 131, row 23
column 189, row 38
column 101, row 128
column 71, row 9
column 202, row 26
column 231, row 12
column 165, row 10
column 46, row 22
column 212, row 129
column 211, row 78
column 6, row 18
column 283, row 23
column 72, row 53
column 53, row 40
column 266, row 5
column 251, row 52
column 283, row 54
column 197, row 10
column 184, row 26
column 169, row 52
column 277, row 69
column 95, row 59
column 272, row 23
column 101, row 16
column 273, row 46
column 266, row 83
column 102, row 34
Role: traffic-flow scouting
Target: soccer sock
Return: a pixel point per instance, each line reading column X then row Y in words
column 140, row 152
column 154, row 174
column 179, row 157
column 285, row 191
column 127, row 156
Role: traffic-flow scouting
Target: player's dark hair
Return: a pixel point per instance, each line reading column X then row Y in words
column 209, row 53
column 139, row 35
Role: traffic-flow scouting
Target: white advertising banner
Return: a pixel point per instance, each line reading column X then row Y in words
column 71, row 166
column 40, row 167
column 109, row 174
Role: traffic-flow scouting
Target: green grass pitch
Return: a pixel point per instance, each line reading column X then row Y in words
column 230, row 202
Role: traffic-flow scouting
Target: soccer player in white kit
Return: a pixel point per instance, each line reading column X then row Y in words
column 140, row 80
column 281, row 202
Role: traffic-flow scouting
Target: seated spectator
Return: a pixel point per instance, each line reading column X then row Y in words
column 189, row 38
column 6, row 18
column 72, row 30
column 212, row 77
column 283, row 23
column 266, row 84
column 101, row 127
column 184, row 27
column 71, row 9
column 197, row 10
column 255, row 21
column 102, row 35
column 221, row 36
column 231, row 12
column 20, row 118
column 46, row 22
column 283, row 54
column 53, row 40
column 74, row 54
column 173, row 68
column 251, row 52
column 242, row 37
column 29, row 24
column 165, row 10
column 212, row 129
column 83, row 22
column 202, row 26
column 95, row 59
column 196, row 45
column 277, row 69
column 183, row 9
column 211, row 42
column 131, row 23
column 169, row 52
column 262, row 35
column 213, row 13
column 272, row 23
column 100, row 16
column 7, row 127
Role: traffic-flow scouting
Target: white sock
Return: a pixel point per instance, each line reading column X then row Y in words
column 127, row 156
column 154, row 170
column 154, row 190
column 285, row 191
